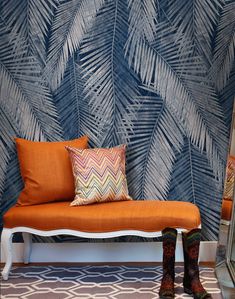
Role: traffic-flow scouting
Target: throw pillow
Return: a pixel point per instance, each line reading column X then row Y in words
column 46, row 170
column 229, row 178
column 99, row 175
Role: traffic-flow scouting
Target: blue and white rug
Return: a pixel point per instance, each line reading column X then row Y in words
column 101, row 282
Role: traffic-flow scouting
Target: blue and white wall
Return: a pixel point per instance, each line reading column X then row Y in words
column 157, row 75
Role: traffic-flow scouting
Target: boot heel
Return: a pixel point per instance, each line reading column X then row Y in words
column 166, row 297
column 188, row 291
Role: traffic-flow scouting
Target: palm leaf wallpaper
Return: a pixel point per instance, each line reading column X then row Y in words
column 158, row 75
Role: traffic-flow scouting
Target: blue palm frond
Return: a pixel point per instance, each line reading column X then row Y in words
column 223, row 59
column 158, row 69
column 22, row 86
column 153, row 141
column 178, row 53
column 3, row 165
column 193, row 181
column 71, row 22
column 73, row 107
column 110, row 84
column 196, row 20
column 142, row 20
column 227, row 98
column 8, row 131
column 30, row 19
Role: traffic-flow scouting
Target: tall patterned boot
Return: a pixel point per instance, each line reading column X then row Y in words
column 167, row 284
column 191, row 282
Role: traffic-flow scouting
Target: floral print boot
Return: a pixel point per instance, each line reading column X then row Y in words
column 191, row 282
column 167, row 284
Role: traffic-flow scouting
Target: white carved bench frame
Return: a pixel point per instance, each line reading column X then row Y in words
column 7, row 234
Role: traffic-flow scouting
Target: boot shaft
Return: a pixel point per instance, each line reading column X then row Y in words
column 169, row 236
column 191, row 281
column 191, row 245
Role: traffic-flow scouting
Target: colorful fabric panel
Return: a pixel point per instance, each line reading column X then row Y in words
column 99, row 175
column 229, row 179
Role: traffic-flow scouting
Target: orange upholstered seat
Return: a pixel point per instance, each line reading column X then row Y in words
column 226, row 211
column 149, row 216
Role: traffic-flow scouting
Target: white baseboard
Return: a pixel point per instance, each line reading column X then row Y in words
column 105, row 252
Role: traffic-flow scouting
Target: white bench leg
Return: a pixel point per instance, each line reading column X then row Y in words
column 27, row 237
column 6, row 241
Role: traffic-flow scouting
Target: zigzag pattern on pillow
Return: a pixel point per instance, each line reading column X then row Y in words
column 99, row 175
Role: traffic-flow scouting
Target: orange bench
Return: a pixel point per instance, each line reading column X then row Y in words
column 104, row 220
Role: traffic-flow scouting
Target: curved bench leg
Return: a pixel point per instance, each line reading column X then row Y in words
column 6, row 241
column 27, row 237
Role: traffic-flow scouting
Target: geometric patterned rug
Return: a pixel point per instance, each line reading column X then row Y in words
column 101, row 282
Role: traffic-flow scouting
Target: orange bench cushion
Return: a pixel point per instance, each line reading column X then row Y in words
column 149, row 216
column 226, row 211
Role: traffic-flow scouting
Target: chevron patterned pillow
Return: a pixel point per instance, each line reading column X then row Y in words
column 99, row 175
